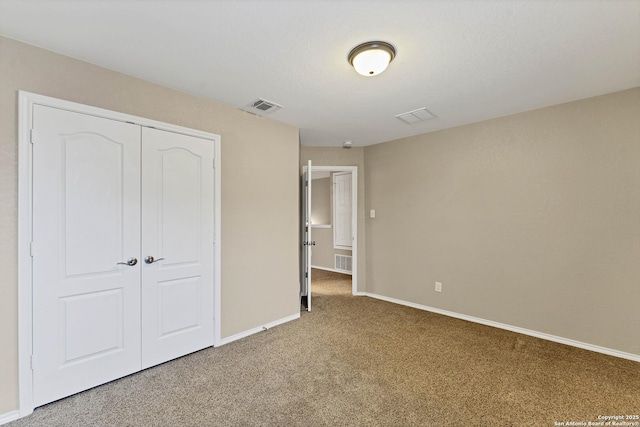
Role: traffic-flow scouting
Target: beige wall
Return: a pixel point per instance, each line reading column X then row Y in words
column 321, row 201
column 532, row 220
column 259, row 187
column 337, row 156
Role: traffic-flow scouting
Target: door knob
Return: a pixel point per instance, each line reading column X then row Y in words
column 150, row 260
column 131, row 262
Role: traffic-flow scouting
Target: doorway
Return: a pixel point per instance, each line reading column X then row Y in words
column 318, row 231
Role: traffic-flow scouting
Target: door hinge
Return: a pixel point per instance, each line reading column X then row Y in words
column 31, row 249
column 214, row 163
column 31, row 362
column 306, row 275
column 31, row 136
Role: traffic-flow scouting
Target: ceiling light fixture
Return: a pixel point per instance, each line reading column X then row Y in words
column 371, row 58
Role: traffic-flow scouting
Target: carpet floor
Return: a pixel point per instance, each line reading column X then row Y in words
column 357, row 361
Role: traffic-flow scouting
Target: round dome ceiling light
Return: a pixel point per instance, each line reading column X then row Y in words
column 371, row 58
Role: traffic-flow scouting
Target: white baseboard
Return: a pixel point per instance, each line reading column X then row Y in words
column 9, row 416
column 542, row 335
column 332, row 270
column 264, row 327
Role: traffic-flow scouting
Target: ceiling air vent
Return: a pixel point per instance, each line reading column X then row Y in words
column 262, row 106
column 419, row 115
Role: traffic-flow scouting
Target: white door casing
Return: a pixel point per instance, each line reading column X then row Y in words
column 178, row 232
column 86, row 322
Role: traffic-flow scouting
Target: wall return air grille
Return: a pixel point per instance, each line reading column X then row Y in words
column 343, row 263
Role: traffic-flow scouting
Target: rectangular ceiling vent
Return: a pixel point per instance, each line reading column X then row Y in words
column 262, row 106
column 415, row 116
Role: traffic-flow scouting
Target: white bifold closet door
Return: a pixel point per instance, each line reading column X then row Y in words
column 108, row 196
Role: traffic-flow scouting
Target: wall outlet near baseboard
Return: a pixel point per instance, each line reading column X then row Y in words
column 438, row 287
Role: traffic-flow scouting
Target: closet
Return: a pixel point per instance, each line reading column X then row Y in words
column 122, row 248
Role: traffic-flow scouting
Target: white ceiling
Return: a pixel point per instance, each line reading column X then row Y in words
column 464, row 61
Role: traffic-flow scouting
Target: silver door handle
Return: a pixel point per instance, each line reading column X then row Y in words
column 131, row 262
column 151, row 260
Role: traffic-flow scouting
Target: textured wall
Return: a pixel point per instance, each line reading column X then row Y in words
column 532, row 220
column 259, row 175
column 337, row 156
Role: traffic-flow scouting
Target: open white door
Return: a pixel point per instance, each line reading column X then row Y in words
column 305, row 270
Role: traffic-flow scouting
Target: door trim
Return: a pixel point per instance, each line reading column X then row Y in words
column 26, row 101
column 354, row 214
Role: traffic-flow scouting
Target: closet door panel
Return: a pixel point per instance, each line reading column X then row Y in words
column 86, row 220
column 177, row 232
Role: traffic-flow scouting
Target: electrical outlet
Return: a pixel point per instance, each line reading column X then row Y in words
column 438, row 287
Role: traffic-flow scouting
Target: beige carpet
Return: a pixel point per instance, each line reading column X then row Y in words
column 356, row 361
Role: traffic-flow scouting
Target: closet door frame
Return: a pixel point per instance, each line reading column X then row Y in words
column 26, row 249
